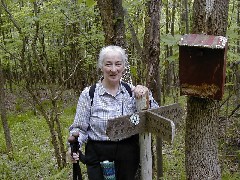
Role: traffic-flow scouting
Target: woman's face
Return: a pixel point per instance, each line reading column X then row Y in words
column 113, row 67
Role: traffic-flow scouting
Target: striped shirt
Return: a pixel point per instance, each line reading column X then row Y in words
column 91, row 121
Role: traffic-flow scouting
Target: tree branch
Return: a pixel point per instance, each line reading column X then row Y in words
column 233, row 111
column 11, row 16
column 134, row 35
column 8, row 52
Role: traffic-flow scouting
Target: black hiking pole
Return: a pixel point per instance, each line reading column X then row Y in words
column 73, row 140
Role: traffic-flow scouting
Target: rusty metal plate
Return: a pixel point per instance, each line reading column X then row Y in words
column 203, row 41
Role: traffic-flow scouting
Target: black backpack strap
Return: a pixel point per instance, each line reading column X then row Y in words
column 91, row 92
column 128, row 88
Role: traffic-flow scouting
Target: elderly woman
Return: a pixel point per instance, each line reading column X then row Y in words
column 111, row 99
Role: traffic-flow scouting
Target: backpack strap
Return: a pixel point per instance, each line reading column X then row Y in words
column 93, row 87
column 91, row 92
column 129, row 90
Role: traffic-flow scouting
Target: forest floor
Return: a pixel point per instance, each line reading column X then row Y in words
column 34, row 155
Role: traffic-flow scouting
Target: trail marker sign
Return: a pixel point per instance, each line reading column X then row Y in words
column 159, row 121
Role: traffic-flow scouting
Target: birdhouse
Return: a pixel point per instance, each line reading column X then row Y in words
column 202, row 65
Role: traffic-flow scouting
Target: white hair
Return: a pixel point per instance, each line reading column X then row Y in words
column 111, row 48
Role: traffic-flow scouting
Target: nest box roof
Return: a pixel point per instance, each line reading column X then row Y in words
column 204, row 41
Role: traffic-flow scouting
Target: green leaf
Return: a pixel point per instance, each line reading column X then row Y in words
column 133, row 70
column 229, row 84
column 90, row 3
column 172, row 58
column 168, row 39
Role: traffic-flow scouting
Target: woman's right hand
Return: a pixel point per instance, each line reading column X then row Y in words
column 72, row 158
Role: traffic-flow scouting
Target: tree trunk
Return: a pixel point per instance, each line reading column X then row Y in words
column 151, row 49
column 237, row 65
column 210, row 17
column 112, row 15
column 184, row 18
column 172, row 64
column 201, row 141
column 107, row 16
column 119, row 27
column 238, row 23
column 3, row 112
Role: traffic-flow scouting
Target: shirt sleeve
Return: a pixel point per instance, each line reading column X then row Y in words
column 153, row 103
column 82, row 117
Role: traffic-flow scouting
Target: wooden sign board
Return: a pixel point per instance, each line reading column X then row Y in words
column 160, row 126
column 150, row 121
column 121, row 127
column 172, row 111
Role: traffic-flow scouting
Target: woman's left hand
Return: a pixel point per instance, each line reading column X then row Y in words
column 140, row 91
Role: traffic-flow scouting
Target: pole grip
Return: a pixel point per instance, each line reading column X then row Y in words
column 74, row 144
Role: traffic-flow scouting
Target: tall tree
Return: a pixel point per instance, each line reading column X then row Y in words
column 184, row 17
column 3, row 112
column 238, row 64
column 151, row 52
column 113, row 21
column 201, row 141
column 112, row 15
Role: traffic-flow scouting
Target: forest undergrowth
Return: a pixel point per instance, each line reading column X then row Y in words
column 33, row 156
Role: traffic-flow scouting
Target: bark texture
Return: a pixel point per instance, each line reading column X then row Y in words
column 106, row 12
column 201, row 141
column 3, row 112
column 151, row 47
column 112, row 15
column 151, row 52
column 210, row 17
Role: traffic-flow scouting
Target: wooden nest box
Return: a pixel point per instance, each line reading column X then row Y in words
column 202, row 65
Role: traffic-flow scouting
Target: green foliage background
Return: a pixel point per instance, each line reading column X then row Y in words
column 73, row 34
column 34, row 156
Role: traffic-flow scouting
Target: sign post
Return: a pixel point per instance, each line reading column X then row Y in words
column 159, row 121
column 145, row 141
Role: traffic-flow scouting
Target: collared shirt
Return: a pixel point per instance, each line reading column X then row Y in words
column 91, row 121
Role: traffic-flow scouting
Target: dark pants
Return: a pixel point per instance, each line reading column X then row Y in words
column 124, row 153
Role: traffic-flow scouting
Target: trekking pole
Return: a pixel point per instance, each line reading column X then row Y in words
column 73, row 140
